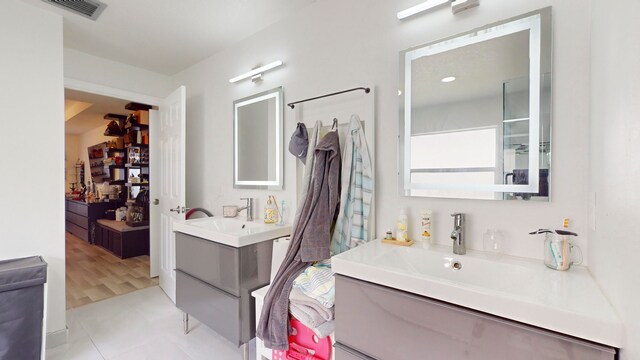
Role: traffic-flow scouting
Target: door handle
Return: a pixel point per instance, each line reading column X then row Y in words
column 156, row 201
column 185, row 209
column 177, row 209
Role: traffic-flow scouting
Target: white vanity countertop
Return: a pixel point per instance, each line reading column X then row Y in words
column 569, row 302
column 235, row 232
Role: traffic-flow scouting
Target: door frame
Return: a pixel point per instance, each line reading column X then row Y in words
column 85, row 86
column 98, row 89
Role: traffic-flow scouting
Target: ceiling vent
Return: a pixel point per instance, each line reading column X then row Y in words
column 88, row 8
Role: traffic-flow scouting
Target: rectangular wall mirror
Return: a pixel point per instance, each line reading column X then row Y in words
column 475, row 113
column 257, row 141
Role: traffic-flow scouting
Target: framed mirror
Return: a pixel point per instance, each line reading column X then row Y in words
column 257, row 141
column 475, row 113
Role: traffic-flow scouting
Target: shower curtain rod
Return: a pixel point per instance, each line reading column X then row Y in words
column 293, row 104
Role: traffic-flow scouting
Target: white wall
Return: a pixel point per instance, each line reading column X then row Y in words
column 615, row 160
column 92, row 69
column 333, row 45
column 71, row 156
column 32, row 211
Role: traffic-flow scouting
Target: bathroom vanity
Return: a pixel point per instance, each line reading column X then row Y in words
column 219, row 262
column 414, row 301
column 213, row 282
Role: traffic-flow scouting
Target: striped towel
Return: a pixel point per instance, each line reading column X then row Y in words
column 357, row 192
column 317, row 282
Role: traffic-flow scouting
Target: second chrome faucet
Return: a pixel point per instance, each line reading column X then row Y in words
column 457, row 235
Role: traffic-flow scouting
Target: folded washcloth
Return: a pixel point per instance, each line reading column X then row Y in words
column 318, row 282
column 298, row 298
column 311, row 313
column 307, row 316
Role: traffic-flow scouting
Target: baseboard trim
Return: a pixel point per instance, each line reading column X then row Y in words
column 57, row 338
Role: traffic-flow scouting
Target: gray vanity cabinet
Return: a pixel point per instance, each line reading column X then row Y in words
column 376, row 322
column 214, row 282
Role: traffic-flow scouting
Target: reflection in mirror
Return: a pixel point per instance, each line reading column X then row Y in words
column 476, row 115
column 257, row 133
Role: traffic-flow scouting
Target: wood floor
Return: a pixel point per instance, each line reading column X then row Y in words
column 94, row 274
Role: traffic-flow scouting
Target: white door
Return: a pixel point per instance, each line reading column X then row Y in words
column 167, row 184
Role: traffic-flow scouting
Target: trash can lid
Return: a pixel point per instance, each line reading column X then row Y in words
column 21, row 273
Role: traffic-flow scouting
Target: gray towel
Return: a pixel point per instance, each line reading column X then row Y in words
column 325, row 329
column 311, row 313
column 310, row 241
column 310, row 306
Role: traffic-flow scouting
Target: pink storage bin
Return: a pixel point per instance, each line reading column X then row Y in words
column 304, row 344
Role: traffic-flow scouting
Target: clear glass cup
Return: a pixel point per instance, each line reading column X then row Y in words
column 492, row 242
column 560, row 253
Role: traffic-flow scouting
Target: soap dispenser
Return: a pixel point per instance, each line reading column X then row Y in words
column 270, row 211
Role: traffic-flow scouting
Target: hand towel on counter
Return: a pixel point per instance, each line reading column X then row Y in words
column 309, row 242
column 318, row 282
column 357, row 195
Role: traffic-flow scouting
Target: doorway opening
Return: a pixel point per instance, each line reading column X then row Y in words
column 107, row 202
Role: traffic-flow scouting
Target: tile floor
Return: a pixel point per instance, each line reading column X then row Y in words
column 144, row 324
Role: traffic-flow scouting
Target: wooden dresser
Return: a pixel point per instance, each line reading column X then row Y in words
column 81, row 217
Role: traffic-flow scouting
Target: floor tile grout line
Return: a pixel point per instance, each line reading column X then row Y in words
column 88, row 335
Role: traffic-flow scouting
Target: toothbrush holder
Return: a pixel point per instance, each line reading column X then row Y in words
column 560, row 253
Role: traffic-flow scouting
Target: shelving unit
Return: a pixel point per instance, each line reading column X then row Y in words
column 137, row 149
column 97, row 155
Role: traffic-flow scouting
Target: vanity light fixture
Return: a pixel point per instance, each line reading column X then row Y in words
column 456, row 7
column 448, row 79
column 256, row 74
column 429, row 4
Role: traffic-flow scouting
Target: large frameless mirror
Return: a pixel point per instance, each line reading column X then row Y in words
column 257, row 141
column 475, row 113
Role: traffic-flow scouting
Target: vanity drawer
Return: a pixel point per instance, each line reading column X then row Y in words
column 211, row 262
column 78, row 208
column 79, row 220
column 213, row 307
column 390, row 324
column 345, row 353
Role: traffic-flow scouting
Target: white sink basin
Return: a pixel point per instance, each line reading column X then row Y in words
column 524, row 290
column 235, row 232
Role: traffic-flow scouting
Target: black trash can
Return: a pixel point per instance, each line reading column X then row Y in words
column 21, row 307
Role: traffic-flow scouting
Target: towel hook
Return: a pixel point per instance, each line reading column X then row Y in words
column 335, row 124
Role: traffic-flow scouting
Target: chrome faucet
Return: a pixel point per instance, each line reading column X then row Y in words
column 248, row 207
column 457, row 235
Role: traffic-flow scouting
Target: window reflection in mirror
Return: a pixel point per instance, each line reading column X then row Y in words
column 473, row 125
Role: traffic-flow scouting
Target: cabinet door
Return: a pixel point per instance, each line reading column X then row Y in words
column 98, row 239
column 115, row 243
column 388, row 324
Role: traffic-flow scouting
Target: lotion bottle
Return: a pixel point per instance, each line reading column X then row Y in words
column 402, row 226
column 425, row 222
